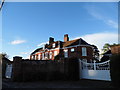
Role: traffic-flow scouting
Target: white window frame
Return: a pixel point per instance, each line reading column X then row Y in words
column 55, row 53
column 43, row 56
column 39, row 56
column 50, row 55
column 53, row 45
column 32, row 57
column 66, row 53
column 84, row 51
column 46, row 55
column 72, row 49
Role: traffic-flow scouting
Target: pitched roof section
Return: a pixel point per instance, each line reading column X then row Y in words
column 75, row 42
column 83, row 42
column 36, row 51
column 69, row 43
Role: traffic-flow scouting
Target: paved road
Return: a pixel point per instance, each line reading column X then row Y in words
column 57, row 84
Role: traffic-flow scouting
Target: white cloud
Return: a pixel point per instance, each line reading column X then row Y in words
column 112, row 23
column 99, row 39
column 95, row 14
column 41, row 44
column 18, row 42
column 93, row 11
column 24, row 53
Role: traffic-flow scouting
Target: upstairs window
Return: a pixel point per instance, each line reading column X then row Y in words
column 84, row 51
column 50, row 55
column 72, row 49
column 53, row 45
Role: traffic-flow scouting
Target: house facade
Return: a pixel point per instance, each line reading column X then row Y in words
column 65, row 49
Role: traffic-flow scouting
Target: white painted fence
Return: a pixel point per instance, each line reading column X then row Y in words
column 8, row 72
column 97, row 71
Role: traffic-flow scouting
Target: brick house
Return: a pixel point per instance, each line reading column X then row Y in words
column 65, row 49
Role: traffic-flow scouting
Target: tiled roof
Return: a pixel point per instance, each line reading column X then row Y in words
column 69, row 43
column 64, row 44
column 36, row 50
column 75, row 42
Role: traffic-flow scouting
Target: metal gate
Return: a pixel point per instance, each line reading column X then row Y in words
column 97, row 71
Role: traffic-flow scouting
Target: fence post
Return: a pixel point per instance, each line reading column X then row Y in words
column 94, row 65
column 80, row 69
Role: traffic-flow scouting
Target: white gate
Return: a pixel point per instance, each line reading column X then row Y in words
column 97, row 71
column 8, row 72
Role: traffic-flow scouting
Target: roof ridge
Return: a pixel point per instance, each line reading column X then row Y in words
column 73, row 39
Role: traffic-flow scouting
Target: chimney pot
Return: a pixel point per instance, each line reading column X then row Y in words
column 66, row 38
column 51, row 40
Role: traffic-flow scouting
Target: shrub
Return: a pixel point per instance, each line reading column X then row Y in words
column 115, row 69
column 104, row 58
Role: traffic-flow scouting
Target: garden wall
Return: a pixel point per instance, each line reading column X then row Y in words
column 30, row 70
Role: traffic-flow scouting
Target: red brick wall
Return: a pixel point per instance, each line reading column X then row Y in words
column 77, row 53
column 115, row 49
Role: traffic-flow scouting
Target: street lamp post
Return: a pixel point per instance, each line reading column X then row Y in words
column 1, row 4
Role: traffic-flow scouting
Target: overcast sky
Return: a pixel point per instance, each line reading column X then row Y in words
column 27, row 26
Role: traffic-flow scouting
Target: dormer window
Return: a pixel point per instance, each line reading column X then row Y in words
column 53, row 45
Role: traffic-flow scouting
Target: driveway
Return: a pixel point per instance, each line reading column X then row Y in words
column 57, row 84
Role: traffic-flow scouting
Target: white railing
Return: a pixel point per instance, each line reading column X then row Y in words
column 96, row 66
column 97, row 71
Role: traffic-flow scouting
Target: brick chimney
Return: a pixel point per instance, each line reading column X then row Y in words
column 51, row 40
column 66, row 38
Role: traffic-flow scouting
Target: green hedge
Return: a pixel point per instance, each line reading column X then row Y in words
column 115, row 69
